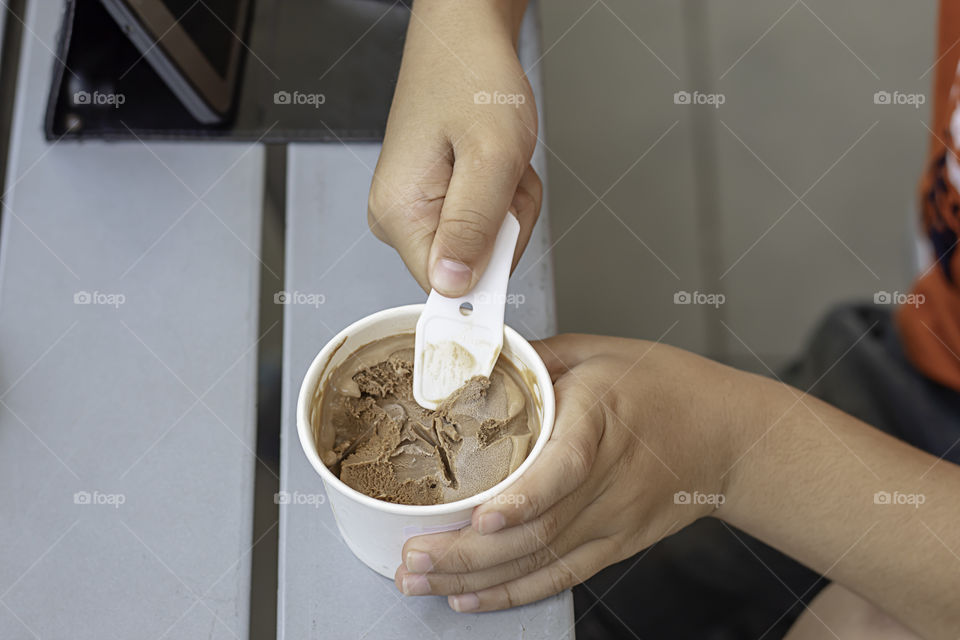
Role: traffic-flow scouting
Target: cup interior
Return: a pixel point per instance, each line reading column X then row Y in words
column 396, row 321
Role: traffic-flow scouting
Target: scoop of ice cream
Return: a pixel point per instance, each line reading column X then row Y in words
column 445, row 368
column 375, row 436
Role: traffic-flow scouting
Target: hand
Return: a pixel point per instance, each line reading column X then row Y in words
column 643, row 435
column 454, row 162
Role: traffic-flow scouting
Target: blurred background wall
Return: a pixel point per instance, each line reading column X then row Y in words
column 795, row 193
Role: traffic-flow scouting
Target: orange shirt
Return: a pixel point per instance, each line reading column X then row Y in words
column 930, row 331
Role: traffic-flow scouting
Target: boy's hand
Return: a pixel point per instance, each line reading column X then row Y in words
column 644, row 433
column 456, row 155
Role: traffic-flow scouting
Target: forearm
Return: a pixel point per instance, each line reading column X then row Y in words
column 806, row 484
column 453, row 50
column 466, row 19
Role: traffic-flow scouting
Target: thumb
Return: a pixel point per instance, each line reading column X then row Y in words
column 480, row 192
column 563, row 466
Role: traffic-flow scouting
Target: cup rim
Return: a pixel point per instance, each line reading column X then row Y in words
column 311, row 378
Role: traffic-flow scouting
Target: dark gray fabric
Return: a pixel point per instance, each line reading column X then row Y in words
column 714, row 582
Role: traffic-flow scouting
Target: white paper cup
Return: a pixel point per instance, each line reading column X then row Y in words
column 375, row 530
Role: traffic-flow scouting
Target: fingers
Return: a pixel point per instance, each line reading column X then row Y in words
column 565, row 351
column 484, row 181
column 479, row 562
column 466, row 551
column 526, row 206
column 556, row 366
column 562, row 467
column 447, row 583
column 407, row 226
column 406, row 194
column 413, row 245
column 565, row 572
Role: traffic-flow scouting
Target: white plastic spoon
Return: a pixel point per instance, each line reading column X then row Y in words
column 459, row 338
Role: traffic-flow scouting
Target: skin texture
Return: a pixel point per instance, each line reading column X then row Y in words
column 638, row 422
column 451, row 168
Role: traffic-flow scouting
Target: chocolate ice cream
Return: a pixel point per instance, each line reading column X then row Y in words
column 379, row 441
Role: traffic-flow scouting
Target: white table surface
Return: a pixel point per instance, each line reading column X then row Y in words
column 150, row 402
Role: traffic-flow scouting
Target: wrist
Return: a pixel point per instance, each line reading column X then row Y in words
column 753, row 407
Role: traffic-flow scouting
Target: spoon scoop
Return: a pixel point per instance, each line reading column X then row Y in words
column 459, row 338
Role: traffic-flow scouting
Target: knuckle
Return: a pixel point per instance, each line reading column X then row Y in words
column 547, row 526
column 375, row 227
column 386, row 202
column 567, row 385
column 459, row 584
column 611, row 548
column 561, row 578
column 530, row 195
column 463, row 561
column 579, row 457
column 532, row 505
column 541, row 558
column 377, row 201
column 527, row 204
column 510, row 596
column 489, row 153
column 537, row 192
column 464, row 231
column 529, row 563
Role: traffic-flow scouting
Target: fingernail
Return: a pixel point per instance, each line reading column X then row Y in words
column 418, row 562
column 450, row 276
column 414, row 585
column 491, row 523
column 464, row 602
